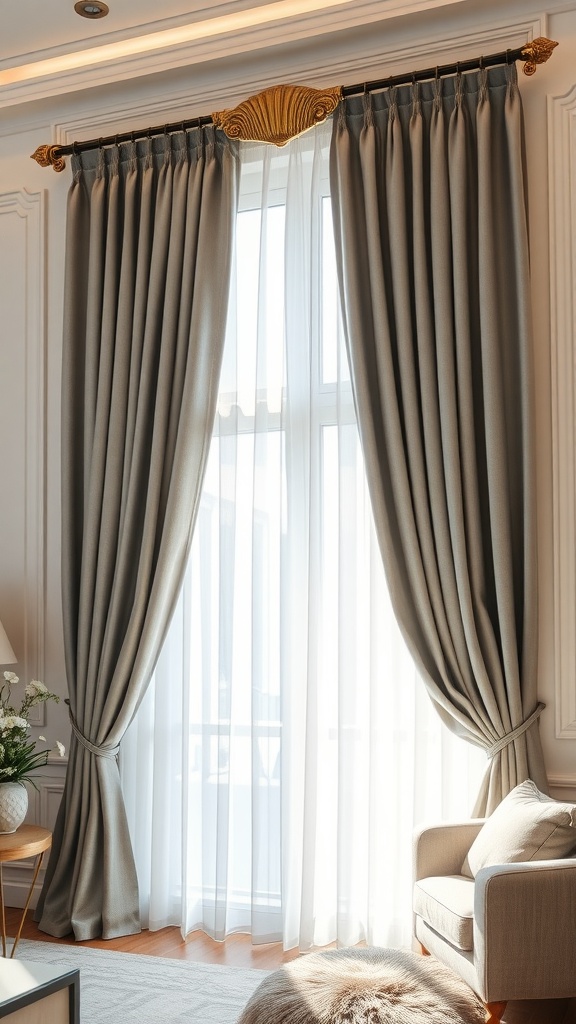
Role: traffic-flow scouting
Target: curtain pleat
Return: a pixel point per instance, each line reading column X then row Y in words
column 149, row 240
column 431, row 236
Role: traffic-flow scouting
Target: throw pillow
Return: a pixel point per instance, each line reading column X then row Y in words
column 527, row 825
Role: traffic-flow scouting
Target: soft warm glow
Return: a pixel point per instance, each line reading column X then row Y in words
column 228, row 23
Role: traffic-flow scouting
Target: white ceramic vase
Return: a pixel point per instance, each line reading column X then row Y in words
column 13, row 806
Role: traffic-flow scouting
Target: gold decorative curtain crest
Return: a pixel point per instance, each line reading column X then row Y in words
column 282, row 112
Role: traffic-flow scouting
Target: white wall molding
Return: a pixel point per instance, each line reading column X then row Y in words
column 25, row 215
column 562, row 190
column 17, row 887
column 364, row 63
column 101, row 66
column 44, row 801
column 564, row 784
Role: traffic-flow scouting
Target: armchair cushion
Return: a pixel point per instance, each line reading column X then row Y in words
column 447, row 906
column 527, row 825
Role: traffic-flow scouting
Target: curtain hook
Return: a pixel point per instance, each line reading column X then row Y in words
column 508, row 57
column 437, row 73
column 481, row 63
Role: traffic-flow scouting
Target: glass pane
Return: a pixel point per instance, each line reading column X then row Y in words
column 334, row 359
column 253, row 362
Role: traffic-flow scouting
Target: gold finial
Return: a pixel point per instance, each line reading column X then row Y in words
column 537, row 52
column 278, row 114
column 47, row 156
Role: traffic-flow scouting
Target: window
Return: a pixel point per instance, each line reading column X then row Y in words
column 287, row 748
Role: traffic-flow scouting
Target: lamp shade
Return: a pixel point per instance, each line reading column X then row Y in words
column 7, row 656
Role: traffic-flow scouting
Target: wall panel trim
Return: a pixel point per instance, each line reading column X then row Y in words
column 30, row 208
column 562, row 189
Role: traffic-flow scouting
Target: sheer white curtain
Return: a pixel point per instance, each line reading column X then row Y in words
column 286, row 750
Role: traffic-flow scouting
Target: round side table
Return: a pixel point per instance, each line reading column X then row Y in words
column 26, row 841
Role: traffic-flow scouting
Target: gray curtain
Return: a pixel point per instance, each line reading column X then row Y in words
column 149, row 241
column 430, row 220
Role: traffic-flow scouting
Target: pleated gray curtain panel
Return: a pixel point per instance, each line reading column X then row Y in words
column 430, row 220
column 149, row 241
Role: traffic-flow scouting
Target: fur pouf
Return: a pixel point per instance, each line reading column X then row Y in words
column 363, row 986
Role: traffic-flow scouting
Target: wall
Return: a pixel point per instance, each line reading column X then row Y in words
column 550, row 114
column 32, row 224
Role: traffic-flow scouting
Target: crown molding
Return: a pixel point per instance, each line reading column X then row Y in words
column 562, row 240
column 223, row 16
column 365, row 62
column 283, row 23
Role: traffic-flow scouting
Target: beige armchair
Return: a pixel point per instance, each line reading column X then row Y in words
column 510, row 933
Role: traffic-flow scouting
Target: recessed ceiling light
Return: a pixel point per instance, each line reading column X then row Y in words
column 91, row 9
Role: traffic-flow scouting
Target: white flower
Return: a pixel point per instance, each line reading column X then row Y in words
column 14, row 722
column 18, row 756
column 61, row 748
column 34, row 688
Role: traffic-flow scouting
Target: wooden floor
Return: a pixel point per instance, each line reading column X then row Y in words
column 238, row 951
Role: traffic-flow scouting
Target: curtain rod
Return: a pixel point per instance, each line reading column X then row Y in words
column 283, row 111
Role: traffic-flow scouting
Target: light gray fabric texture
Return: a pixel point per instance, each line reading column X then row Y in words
column 527, row 825
column 429, row 209
column 525, row 930
column 149, row 239
column 447, row 904
column 524, row 925
column 458, row 960
column 440, row 849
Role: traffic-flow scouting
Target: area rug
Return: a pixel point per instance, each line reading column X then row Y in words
column 128, row 988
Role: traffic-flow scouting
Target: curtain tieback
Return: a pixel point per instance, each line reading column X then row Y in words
column 98, row 751
column 500, row 744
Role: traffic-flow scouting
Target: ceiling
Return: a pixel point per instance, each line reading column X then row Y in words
column 34, row 30
column 46, row 49
column 33, row 27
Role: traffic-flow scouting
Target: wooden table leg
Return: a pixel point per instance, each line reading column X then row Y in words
column 2, row 912
column 24, row 912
